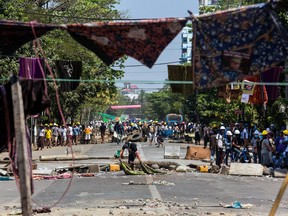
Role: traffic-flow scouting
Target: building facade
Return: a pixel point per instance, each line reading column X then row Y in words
column 186, row 45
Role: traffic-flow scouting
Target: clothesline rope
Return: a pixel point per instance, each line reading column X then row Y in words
column 149, row 81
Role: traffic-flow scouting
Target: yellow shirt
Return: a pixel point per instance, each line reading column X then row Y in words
column 48, row 133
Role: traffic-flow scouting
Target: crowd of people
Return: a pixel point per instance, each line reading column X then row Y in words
column 268, row 147
column 227, row 143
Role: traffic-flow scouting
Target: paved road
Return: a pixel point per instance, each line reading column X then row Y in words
column 174, row 194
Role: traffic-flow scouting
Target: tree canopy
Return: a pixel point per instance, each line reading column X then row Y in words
column 99, row 90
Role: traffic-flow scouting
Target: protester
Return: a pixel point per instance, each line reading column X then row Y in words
column 228, row 146
column 265, row 149
column 102, row 129
column 255, row 142
column 133, row 153
column 41, row 138
column 220, row 146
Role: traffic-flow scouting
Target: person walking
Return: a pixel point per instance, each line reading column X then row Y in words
column 75, row 134
column 87, row 132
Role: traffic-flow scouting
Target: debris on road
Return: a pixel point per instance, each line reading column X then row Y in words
column 238, row 205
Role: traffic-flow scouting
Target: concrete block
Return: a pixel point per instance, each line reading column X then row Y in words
column 172, row 152
column 197, row 153
column 246, row 169
column 95, row 168
column 280, row 173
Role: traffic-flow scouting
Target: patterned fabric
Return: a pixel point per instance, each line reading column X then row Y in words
column 31, row 68
column 14, row 34
column 180, row 73
column 142, row 40
column 238, row 42
column 260, row 94
column 69, row 70
column 272, row 76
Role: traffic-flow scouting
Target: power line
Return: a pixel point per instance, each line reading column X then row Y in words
column 141, row 65
column 90, row 18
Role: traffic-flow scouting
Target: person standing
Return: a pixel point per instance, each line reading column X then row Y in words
column 265, row 149
column 255, row 144
column 133, row 153
column 220, row 146
column 64, row 135
column 41, row 138
column 87, row 132
column 228, row 146
column 102, row 129
column 75, row 134
column 119, row 129
column 206, row 132
column 48, row 136
column 213, row 143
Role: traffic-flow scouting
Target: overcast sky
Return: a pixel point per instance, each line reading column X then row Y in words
column 144, row 9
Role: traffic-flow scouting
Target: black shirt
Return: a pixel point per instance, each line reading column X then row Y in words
column 132, row 147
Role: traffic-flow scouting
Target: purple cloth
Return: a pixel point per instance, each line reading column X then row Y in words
column 31, row 68
column 272, row 75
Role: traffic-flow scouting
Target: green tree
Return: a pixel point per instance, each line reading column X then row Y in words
column 163, row 102
column 99, row 90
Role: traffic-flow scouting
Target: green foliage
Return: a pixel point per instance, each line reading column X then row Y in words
column 159, row 104
column 58, row 45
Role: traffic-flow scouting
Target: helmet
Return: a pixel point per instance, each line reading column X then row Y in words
column 285, row 132
column 256, row 132
column 236, row 132
column 222, row 128
column 264, row 132
column 229, row 133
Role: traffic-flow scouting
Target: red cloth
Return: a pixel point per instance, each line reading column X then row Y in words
column 143, row 40
column 260, row 94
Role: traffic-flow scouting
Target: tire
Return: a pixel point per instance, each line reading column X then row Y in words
column 135, row 137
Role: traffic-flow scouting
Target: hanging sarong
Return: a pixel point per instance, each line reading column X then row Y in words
column 69, row 70
column 142, row 40
column 234, row 43
column 31, row 68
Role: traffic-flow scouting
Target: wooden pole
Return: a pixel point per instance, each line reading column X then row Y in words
column 21, row 143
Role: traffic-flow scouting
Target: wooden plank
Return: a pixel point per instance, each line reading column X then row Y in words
column 22, row 152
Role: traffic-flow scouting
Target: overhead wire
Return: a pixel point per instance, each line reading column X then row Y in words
column 148, row 81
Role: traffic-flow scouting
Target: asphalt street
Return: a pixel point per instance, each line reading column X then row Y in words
column 114, row 193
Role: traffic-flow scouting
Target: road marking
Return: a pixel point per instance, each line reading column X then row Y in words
column 149, row 179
